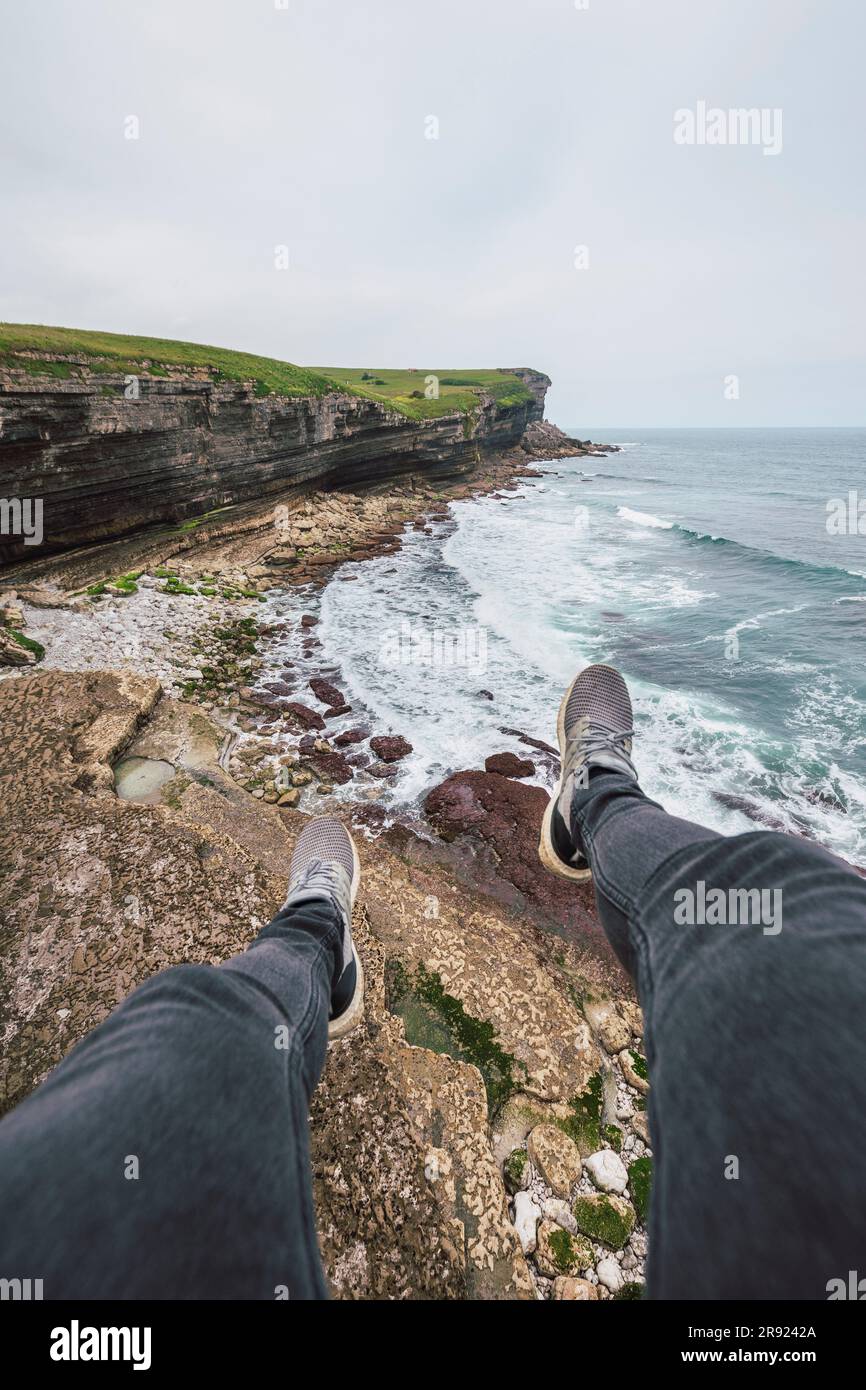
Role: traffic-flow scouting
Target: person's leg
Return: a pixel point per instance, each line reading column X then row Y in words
column 753, row 1029
column 168, row 1155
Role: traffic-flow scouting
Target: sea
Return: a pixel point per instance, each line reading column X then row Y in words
column 722, row 571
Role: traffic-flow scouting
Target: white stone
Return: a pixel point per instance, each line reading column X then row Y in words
column 607, row 1171
column 555, row 1209
column 610, row 1274
column 527, row 1214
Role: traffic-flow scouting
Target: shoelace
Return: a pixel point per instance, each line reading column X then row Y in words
column 592, row 737
column 319, row 875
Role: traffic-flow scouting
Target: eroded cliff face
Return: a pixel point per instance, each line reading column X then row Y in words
column 105, row 465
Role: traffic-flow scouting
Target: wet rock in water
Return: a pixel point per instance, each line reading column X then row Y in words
column 351, row 736
column 301, row 778
column 484, row 694
column 290, row 798
column 307, row 743
column 817, row 797
column 509, row 765
column 326, row 692
column 755, row 813
column 386, row 770
column 333, row 711
column 332, row 767
column 390, row 747
column 301, row 716
column 309, row 620
column 280, row 688
column 531, row 742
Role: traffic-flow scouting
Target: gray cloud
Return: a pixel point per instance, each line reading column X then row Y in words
column 306, row 126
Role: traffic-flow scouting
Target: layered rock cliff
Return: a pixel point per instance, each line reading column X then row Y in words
column 105, row 465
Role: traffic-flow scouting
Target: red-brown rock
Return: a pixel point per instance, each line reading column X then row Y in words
column 509, row 765
column 326, row 692
column 506, row 816
column 390, row 747
column 350, row 736
column 332, row 767
column 301, row 716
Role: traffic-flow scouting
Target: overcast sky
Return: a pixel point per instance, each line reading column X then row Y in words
column 306, row 127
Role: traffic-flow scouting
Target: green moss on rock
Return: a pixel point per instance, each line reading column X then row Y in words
column 608, row 1219
column 639, row 1064
column 435, row 1019
column 640, row 1181
column 28, row 643
column 613, row 1136
column 583, row 1123
column 514, row 1169
column 629, row 1292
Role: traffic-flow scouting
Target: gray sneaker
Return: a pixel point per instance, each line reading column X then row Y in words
column 325, row 865
column 595, row 730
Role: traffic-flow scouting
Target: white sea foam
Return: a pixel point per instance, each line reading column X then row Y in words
column 643, row 519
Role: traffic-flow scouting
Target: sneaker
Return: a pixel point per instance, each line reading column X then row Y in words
column 325, row 865
column 595, row 730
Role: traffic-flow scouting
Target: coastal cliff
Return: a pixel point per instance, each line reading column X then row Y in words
column 116, row 444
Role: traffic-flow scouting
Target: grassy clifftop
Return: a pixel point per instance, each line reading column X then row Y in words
column 110, row 353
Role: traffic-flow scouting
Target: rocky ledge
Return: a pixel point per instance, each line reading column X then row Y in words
column 482, row 1135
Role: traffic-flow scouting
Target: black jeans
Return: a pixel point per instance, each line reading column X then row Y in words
column 755, row 1020
column 168, row 1156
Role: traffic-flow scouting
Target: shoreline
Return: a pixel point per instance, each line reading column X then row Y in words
column 290, row 739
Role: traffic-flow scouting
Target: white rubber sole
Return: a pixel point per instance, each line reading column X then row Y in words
column 351, row 1016
column 546, row 850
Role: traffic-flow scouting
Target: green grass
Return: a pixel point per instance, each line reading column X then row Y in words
column 110, row 354
column 458, row 391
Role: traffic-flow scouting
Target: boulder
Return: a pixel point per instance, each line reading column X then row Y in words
column 506, row 816
column 604, row 1217
column 326, row 692
column 390, row 748
column 607, row 1171
column 557, row 1252
column 556, row 1157
column 350, row 736
column 301, row 716
column 567, row 1289
column 509, row 765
